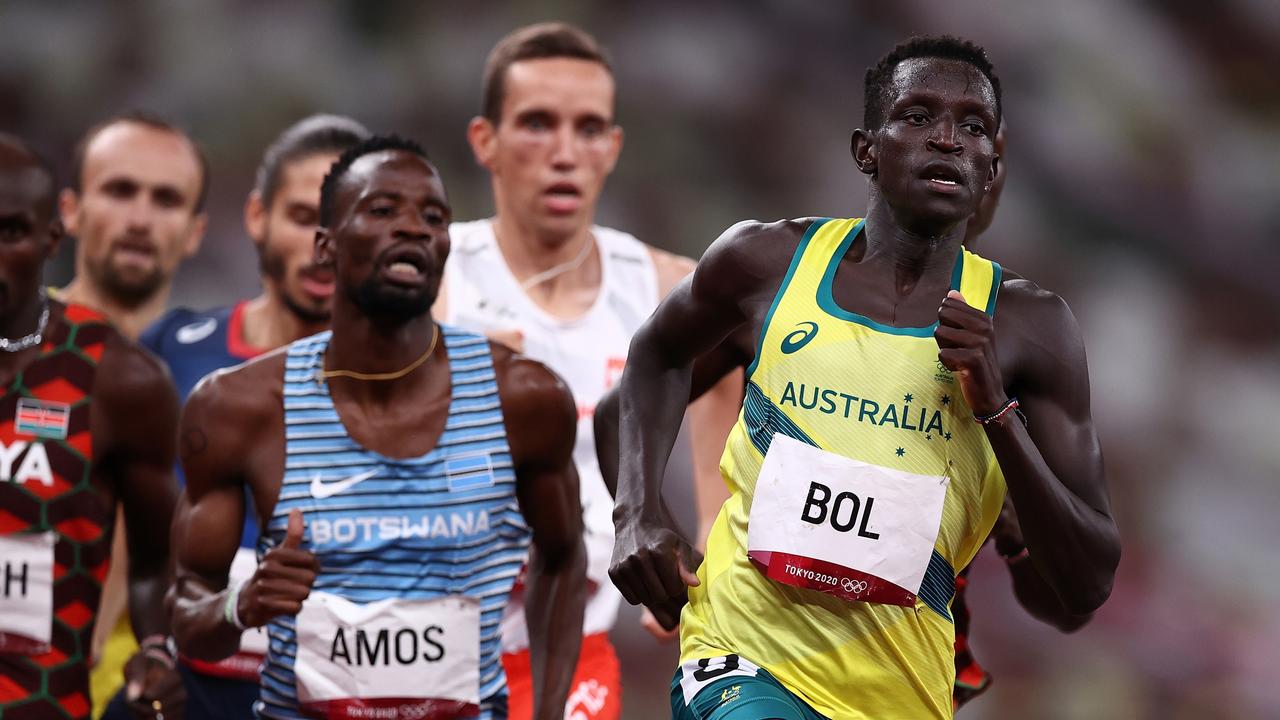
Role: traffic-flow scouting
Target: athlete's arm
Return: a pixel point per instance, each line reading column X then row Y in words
column 1053, row 466
column 221, row 434
column 713, row 406
column 1033, row 593
column 542, row 422
column 651, row 563
column 136, row 407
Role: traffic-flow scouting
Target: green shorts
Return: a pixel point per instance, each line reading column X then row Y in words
column 732, row 688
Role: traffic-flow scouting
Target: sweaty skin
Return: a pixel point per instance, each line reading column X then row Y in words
column 133, row 414
column 233, row 435
column 897, row 272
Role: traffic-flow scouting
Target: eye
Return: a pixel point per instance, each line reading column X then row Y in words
column 916, row 118
column 434, row 218
column 382, row 210
column 975, row 128
column 592, row 129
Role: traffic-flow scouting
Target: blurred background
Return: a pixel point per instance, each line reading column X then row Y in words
column 1144, row 163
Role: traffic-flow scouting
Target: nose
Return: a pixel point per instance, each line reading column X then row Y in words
column 139, row 215
column 943, row 137
column 412, row 226
column 564, row 151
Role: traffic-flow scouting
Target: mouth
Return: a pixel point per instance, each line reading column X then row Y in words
column 406, row 265
column 132, row 249
column 943, row 177
column 563, row 197
column 317, row 282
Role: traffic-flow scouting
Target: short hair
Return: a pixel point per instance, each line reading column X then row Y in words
column 879, row 76
column 375, row 144
column 40, row 164
column 153, row 121
column 314, row 135
column 534, row 42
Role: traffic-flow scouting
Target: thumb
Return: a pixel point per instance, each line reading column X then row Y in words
column 690, row 577
column 956, row 295
column 293, row 533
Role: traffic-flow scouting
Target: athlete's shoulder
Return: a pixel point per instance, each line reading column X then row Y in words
column 242, row 392
column 1027, row 302
column 538, row 408
column 750, row 255
column 1039, row 326
column 130, row 379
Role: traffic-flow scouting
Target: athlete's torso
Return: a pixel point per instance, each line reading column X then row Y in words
column 444, row 525
column 589, row 352
column 838, row 381
column 48, row 490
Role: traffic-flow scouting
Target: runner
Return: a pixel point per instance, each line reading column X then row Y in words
column 72, row 449
column 861, row 481
column 542, row 277
column 136, row 210
column 280, row 217
column 390, row 463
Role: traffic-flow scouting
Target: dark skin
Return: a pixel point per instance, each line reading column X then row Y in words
column 132, row 419
column 391, row 208
column 930, row 164
column 1035, row 596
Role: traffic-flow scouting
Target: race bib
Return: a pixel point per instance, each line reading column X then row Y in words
column 830, row 523
column 253, row 642
column 389, row 659
column 26, row 593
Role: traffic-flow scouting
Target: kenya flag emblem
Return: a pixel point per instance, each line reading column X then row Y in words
column 42, row 418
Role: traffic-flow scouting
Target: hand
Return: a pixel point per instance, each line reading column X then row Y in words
column 1007, row 533
column 651, row 567
column 282, row 581
column 967, row 347
column 153, row 690
column 655, row 628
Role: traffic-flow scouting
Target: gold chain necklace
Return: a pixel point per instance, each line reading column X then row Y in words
column 354, row 375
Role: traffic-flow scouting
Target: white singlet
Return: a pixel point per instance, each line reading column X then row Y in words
column 588, row 352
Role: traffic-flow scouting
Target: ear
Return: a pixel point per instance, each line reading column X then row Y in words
column 323, row 254
column 195, row 235
column 56, row 233
column 864, row 150
column 997, row 166
column 483, row 138
column 255, row 218
column 615, row 147
column 69, row 209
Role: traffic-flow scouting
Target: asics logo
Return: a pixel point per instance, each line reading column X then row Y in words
column 321, row 489
column 799, row 338
column 196, row 331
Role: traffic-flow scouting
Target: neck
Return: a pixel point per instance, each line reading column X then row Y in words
column 268, row 322
column 23, row 318
column 914, row 253
column 366, row 345
column 130, row 320
column 527, row 255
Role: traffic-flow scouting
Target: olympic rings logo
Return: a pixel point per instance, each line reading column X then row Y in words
column 851, row 586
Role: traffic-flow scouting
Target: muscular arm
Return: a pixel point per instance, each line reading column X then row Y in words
column 1053, row 466
column 139, row 410
column 222, row 419
column 541, row 420
column 738, row 271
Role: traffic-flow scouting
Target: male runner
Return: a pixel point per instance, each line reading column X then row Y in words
column 542, row 277
column 1034, row 595
column 861, row 482
column 280, row 217
column 136, row 210
column 390, row 463
column 86, row 423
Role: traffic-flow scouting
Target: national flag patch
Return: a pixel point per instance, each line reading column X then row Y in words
column 42, row 418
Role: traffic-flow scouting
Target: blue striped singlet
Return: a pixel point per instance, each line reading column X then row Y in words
column 445, row 523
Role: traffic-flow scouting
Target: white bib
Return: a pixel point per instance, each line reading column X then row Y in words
column 26, row 592
column 391, row 658
column 837, row 525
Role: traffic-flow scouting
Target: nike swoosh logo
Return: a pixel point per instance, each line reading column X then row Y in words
column 321, row 489
column 196, row 331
